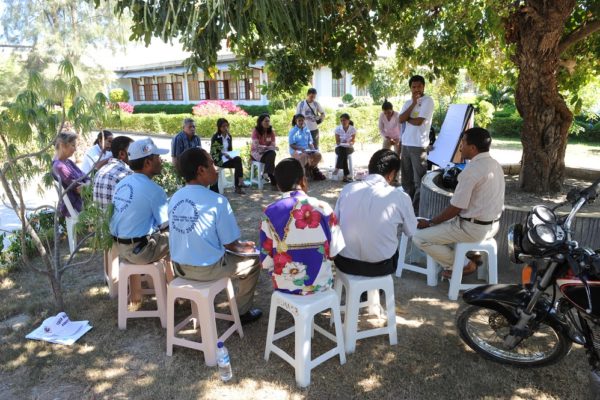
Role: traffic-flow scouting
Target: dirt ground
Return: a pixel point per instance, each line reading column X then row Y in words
column 428, row 362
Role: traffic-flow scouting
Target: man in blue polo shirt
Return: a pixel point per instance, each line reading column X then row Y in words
column 184, row 140
column 202, row 227
column 139, row 220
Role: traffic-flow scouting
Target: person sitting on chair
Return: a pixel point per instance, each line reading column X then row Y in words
column 202, row 227
column 220, row 145
column 345, row 135
column 370, row 212
column 298, row 235
column 302, row 148
column 475, row 208
column 263, row 148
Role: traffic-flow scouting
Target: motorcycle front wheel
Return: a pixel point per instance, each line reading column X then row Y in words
column 484, row 330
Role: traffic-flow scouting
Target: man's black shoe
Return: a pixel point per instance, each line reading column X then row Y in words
column 250, row 316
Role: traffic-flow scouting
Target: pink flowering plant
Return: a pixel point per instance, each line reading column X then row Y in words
column 209, row 108
column 125, row 107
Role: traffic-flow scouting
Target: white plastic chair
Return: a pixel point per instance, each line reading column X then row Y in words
column 224, row 183
column 156, row 271
column 202, row 297
column 350, row 166
column 111, row 270
column 304, row 309
column 431, row 270
column 355, row 286
column 490, row 273
column 70, row 221
column 260, row 170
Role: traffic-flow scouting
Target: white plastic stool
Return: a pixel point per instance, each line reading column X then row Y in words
column 304, row 309
column 431, row 270
column 356, row 285
column 260, row 170
column 350, row 167
column 488, row 246
column 156, row 271
column 202, row 296
column 111, row 270
column 224, row 183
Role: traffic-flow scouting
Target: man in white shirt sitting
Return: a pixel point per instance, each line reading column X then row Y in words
column 475, row 208
column 416, row 115
column 369, row 213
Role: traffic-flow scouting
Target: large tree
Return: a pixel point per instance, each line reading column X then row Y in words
column 44, row 32
column 549, row 45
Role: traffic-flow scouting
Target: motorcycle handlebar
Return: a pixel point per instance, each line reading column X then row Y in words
column 588, row 193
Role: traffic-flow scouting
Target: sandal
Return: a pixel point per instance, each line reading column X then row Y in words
column 347, row 179
column 318, row 175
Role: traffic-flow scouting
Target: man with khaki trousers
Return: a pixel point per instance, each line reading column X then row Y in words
column 202, row 226
column 475, row 208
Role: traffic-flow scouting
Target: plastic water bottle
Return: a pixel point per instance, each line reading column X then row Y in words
column 223, row 362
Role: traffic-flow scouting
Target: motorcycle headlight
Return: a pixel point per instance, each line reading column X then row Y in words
column 515, row 235
column 544, row 214
column 543, row 235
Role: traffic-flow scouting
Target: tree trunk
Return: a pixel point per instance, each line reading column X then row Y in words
column 536, row 29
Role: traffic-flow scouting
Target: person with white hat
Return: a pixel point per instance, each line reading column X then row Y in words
column 139, row 222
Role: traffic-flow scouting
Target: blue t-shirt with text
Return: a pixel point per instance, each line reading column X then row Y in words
column 201, row 222
column 140, row 207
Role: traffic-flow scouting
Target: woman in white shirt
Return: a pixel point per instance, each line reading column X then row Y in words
column 99, row 151
column 345, row 134
column 390, row 127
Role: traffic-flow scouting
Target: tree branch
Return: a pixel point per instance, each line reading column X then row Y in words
column 28, row 155
column 585, row 30
column 79, row 246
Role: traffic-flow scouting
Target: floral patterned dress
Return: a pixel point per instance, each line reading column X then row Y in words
column 298, row 237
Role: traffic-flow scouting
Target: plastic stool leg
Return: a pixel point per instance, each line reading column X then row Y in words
column 339, row 334
column 351, row 320
column 271, row 328
column 302, row 353
column 402, row 255
column 390, row 306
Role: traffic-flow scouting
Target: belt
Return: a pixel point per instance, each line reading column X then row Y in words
column 478, row 222
column 130, row 241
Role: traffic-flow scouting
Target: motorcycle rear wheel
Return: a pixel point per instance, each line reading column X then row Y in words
column 484, row 330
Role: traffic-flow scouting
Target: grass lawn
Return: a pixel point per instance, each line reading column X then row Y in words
column 429, row 361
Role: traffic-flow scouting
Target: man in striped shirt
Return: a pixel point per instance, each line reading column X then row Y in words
column 113, row 172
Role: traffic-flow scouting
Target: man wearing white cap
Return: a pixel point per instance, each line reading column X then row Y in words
column 139, row 222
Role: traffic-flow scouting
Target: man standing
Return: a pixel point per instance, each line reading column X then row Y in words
column 202, row 226
column 139, row 220
column 184, row 140
column 416, row 115
column 370, row 212
column 313, row 114
column 113, row 172
column 474, row 209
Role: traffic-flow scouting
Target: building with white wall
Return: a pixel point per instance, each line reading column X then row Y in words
column 163, row 78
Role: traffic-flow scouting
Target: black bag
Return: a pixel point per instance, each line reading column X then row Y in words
column 318, row 119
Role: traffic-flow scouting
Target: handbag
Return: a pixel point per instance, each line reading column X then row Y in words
column 318, row 119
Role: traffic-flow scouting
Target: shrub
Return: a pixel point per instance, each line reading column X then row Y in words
column 125, row 107
column 118, row 95
column 484, row 113
column 506, row 126
column 508, row 110
column 362, row 101
column 208, row 108
column 255, row 111
column 163, row 108
column 347, row 98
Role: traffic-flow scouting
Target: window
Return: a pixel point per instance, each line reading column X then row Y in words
column 203, row 91
column 242, row 89
column 155, row 91
column 362, row 91
column 256, row 84
column 169, row 91
column 338, row 86
column 141, row 93
column 220, row 90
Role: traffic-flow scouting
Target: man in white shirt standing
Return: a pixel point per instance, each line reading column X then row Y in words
column 313, row 113
column 416, row 115
column 370, row 212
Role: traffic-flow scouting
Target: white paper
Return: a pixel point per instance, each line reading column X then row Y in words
column 343, row 144
column 447, row 141
column 232, row 154
column 60, row 329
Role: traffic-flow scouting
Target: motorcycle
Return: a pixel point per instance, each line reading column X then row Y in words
column 529, row 325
